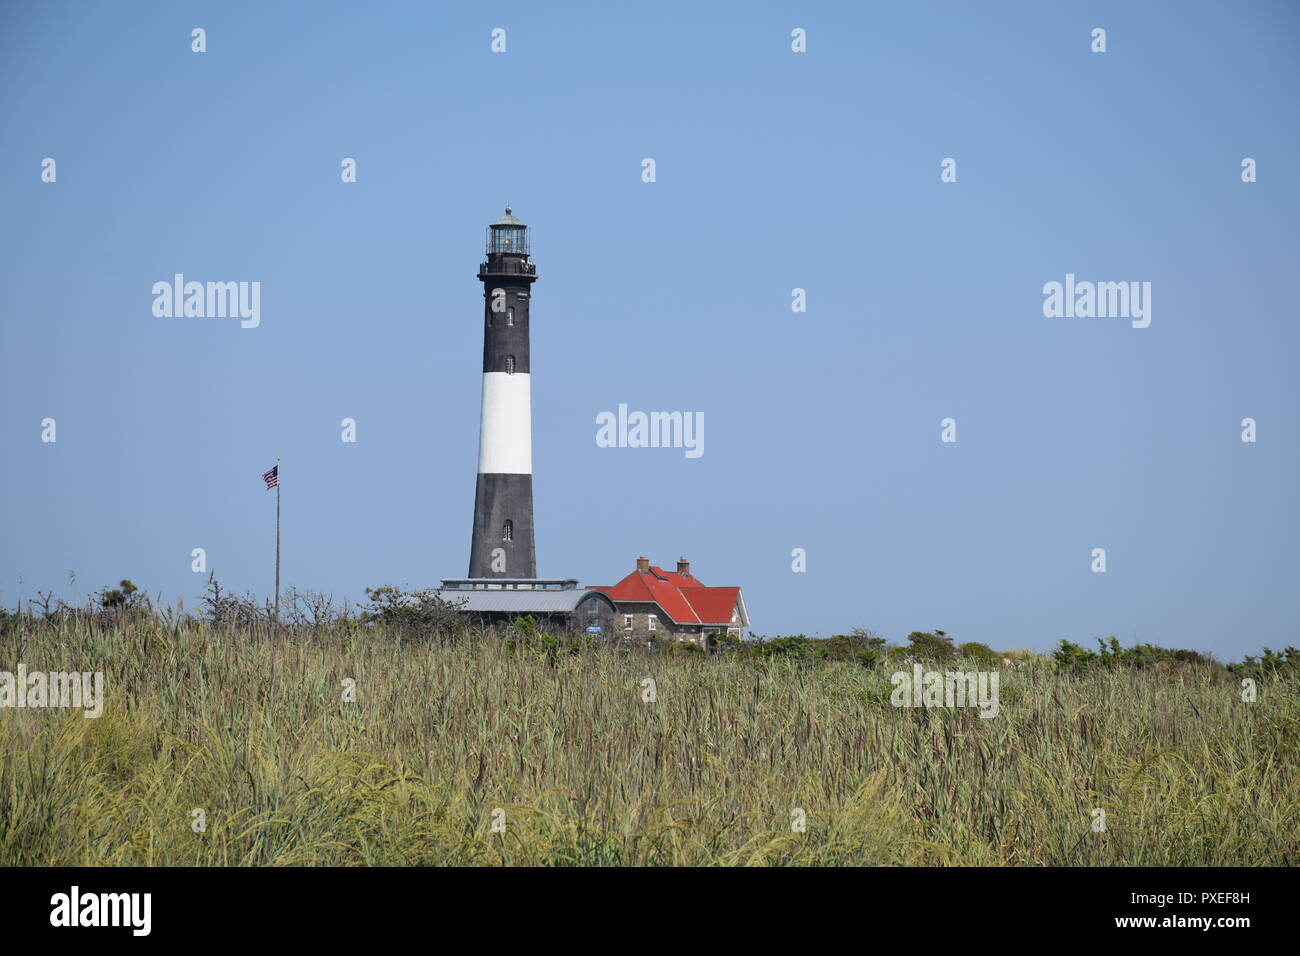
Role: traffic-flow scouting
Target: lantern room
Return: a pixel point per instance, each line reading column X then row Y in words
column 507, row 236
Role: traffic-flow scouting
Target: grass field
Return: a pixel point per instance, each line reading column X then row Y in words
column 250, row 726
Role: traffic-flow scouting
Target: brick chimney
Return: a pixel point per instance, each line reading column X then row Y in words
column 643, row 565
column 683, row 567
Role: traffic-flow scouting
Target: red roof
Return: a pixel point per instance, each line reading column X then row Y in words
column 683, row 598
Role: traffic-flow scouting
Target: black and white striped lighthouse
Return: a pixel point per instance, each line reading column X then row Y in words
column 502, row 546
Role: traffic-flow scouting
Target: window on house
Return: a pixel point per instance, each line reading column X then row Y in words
column 627, row 622
column 510, row 365
column 651, row 622
column 508, row 532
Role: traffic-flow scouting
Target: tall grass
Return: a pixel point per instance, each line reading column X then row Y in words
column 250, row 726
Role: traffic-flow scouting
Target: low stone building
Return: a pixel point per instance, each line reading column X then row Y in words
column 652, row 602
column 556, row 604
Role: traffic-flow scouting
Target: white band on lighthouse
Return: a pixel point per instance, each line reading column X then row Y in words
column 505, row 445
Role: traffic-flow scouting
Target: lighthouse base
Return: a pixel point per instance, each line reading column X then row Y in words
column 502, row 545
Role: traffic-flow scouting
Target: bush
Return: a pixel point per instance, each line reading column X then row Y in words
column 1109, row 654
column 1284, row 663
column 980, row 653
column 524, row 635
column 795, row 647
column 684, row 648
column 421, row 613
column 936, row 646
column 226, row 609
column 860, row 646
column 721, row 642
column 123, row 596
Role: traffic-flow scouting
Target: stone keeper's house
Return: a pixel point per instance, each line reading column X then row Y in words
column 652, row 602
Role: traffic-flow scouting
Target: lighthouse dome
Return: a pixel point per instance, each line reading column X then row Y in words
column 508, row 220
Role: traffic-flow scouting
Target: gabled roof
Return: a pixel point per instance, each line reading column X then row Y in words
column 681, row 597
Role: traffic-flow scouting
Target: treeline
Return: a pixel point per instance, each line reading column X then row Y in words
column 413, row 612
column 862, row 646
column 423, row 615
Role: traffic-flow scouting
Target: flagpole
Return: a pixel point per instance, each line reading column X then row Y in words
column 277, row 539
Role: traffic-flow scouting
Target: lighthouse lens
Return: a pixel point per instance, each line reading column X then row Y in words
column 508, row 239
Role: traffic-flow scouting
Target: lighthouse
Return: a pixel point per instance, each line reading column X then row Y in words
column 502, row 544
column 502, row 586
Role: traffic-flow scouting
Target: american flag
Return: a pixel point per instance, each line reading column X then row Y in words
column 272, row 477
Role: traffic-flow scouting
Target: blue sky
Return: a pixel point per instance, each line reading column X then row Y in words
column 775, row 171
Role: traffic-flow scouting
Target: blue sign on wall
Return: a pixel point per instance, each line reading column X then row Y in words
column 593, row 629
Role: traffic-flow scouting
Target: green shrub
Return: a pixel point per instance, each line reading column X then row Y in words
column 1109, row 654
column 1284, row 663
column 927, row 646
column 980, row 653
column 679, row 648
column 722, row 642
column 123, row 596
column 411, row 613
column 796, row 647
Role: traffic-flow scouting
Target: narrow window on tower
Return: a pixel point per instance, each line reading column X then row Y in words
column 510, row 365
column 508, row 532
column 510, row 315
